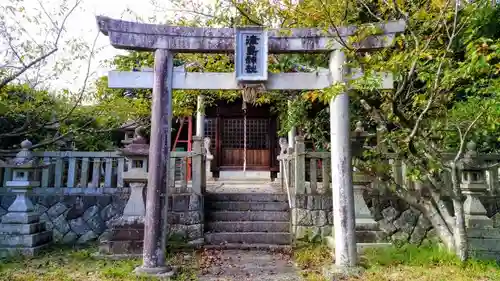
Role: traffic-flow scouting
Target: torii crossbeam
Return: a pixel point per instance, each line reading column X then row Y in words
column 226, row 80
column 150, row 37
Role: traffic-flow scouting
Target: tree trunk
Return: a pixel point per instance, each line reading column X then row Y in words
column 460, row 234
column 433, row 213
column 439, row 223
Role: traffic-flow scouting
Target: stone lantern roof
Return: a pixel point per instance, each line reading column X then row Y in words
column 130, row 125
column 138, row 145
column 358, row 138
column 24, row 159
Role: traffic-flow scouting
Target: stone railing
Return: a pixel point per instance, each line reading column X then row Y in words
column 80, row 195
column 91, row 172
column 308, row 177
column 304, row 172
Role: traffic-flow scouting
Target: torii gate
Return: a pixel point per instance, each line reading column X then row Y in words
column 165, row 40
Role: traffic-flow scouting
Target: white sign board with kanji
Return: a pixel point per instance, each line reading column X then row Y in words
column 251, row 54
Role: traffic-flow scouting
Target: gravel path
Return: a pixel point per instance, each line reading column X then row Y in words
column 243, row 265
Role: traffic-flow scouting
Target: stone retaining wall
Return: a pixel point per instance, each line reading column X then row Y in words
column 186, row 217
column 312, row 216
column 83, row 218
column 400, row 223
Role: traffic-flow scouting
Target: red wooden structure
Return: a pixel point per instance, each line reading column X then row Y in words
column 188, row 141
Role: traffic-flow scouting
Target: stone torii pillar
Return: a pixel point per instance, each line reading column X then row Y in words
column 154, row 256
column 160, row 38
column 341, row 155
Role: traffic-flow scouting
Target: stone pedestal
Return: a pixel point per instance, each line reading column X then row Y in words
column 363, row 216
column 21, row 231
column 124, row 240
column 126, row 234
column 475, row 213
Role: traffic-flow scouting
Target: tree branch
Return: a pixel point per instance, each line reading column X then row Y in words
column 245, row 14
column 436, row 79
column 334, row 26
column 52, row 140
column 23, row 130
column 41, row 58
column 463, row 137
column 11, row 78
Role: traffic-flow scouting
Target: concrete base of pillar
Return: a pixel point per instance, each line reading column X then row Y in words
column 334, row 272
column 366, row 224
column 361, row 247
column 162, row 272
column 116, row 257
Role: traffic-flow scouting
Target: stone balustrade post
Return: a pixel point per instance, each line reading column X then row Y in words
column 208, row 158
column 21, row 231
column 283, row 143
column 300, row 165
column 198, row 157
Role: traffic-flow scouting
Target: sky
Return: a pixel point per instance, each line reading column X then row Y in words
column 82, row 25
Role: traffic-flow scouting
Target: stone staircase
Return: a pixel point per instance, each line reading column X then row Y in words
column 247, row 221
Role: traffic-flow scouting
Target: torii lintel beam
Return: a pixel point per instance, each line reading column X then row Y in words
column 149, row 37
column 225, row 81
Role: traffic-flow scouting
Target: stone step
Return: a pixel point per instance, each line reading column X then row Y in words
column 243, row 181
column 16, row 251
column 364, row 246
column 246, row 206
column 361, row 247
column 240, row 246
column 23, row 228
column 248, row 226
column 247, row 175
column 369, row 236
column 248, row 216
column 123, row 247
column 26, row 240
column 126, row 234
column 276, row 238
column 245, row 197
column 289, row 276
column 250, row 270
column 250, row 265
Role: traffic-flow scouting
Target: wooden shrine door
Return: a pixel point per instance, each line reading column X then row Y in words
column 257, row 143
column 225, row 125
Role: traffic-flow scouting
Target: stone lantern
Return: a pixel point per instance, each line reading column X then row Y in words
column 136, row 175
column 364, row 219
column 473, row 185
column 129, row 129
column 127, row 231
column 21, row 231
